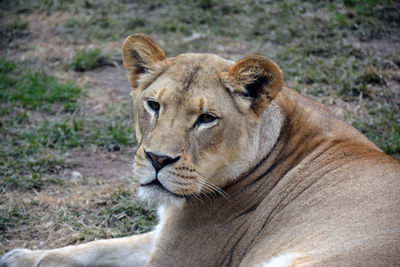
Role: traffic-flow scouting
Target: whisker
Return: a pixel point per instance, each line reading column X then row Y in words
column 210, row 188
column 208, row 184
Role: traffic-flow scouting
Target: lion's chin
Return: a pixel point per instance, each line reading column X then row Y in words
column 157, row 198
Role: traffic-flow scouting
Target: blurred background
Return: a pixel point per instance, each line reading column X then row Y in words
column 66, row 127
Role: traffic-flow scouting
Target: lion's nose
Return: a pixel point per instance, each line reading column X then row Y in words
column 159, row 161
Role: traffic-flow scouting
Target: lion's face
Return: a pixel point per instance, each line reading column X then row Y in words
column 196, row 122
column 190, row 130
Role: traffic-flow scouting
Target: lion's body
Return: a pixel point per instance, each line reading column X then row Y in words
column 266, row 178
column 324, row 195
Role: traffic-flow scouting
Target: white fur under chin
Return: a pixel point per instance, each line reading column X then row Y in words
column 157, row 198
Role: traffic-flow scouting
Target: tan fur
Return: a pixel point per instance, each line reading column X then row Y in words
column 274, row 180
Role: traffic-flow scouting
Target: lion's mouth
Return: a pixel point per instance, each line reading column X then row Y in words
column 156, row 184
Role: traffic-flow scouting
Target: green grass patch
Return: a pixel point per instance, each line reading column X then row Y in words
column 12, row 217
column 112, row 136
column 31, row 150
column 24, row 162
column 27, row 160
column 59, row 135
column 33, row 90
column 12, row 30
column 103, row 132
column 88, row 59
column 277, row 21
column 383, row 130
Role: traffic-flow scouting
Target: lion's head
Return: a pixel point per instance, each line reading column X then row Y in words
column 200, row 120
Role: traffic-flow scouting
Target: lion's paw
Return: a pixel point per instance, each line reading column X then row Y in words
column 21, row 257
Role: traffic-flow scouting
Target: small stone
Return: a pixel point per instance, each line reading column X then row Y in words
column 76, row 175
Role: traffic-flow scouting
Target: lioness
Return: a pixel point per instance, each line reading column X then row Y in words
column 244, row 172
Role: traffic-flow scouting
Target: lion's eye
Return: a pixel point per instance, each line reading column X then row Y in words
column 205, row 118
column 153, row 105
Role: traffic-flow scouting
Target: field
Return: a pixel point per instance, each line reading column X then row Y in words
column 66, row 127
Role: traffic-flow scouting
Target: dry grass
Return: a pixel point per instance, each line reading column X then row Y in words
column 78, row 211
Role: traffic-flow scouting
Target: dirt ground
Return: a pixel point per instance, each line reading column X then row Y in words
column 97, row 182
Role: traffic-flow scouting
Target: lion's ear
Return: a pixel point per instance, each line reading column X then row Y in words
column 255, row 80
column 139, row 53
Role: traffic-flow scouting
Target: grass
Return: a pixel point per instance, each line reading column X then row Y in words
column 24, row 160
column 103, row 212
column 119, row 210
column 135, row 217
column 12, row 30
column 383, row 129
column 31, row 151
column 40, row 122
column 32, row 154
column 36, row 90
column 15, row 215
column 88, row 59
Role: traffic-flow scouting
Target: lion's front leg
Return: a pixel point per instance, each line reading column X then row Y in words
column 127, row 251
